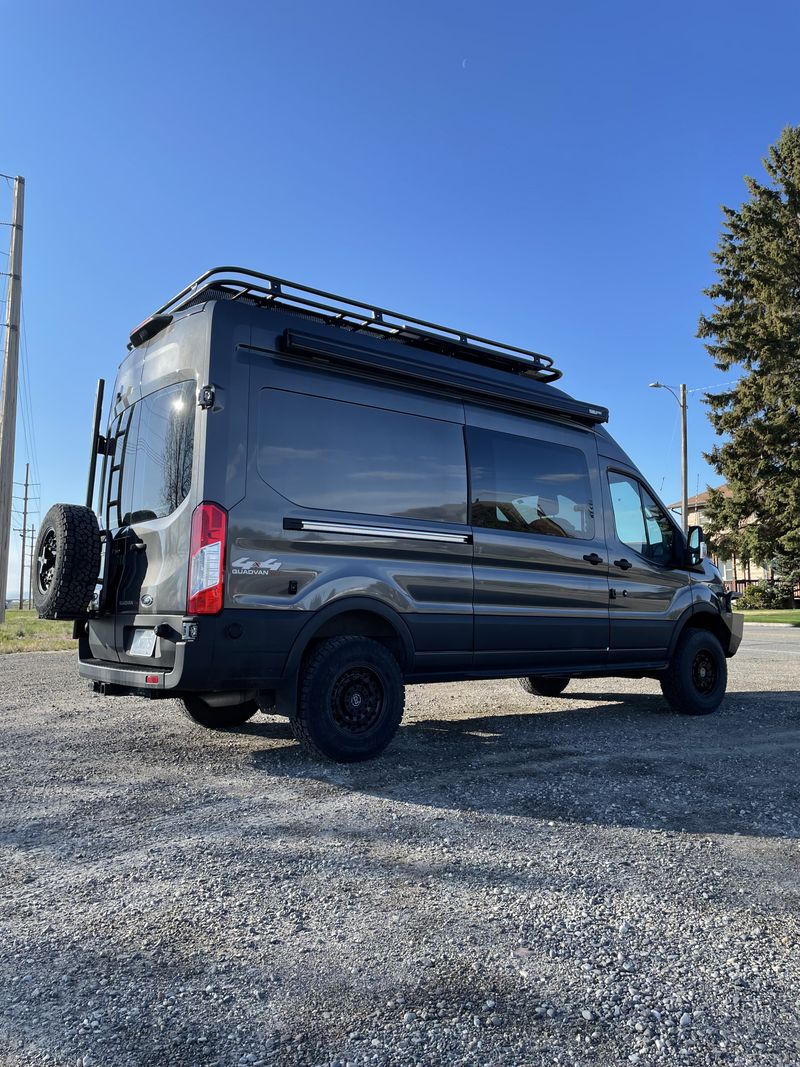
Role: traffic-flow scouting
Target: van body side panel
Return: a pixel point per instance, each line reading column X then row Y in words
column 362, row 462
column 538, row 602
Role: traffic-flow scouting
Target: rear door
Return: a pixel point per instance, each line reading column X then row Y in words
column 540, row 560
column 149, row 516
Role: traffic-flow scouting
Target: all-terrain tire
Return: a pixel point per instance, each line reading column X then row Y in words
column 350, row 700
column 224, row 718
column 67, row 562
column 696, row 679
column 549, row 685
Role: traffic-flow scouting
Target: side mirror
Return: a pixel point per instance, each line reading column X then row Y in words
column 698, row 550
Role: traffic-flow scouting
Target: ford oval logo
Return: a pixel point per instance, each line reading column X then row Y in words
column 147, row 600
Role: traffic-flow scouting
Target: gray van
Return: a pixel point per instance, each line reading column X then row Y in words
column 305, row 502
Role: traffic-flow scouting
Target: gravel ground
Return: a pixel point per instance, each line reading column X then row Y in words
column 582, row 880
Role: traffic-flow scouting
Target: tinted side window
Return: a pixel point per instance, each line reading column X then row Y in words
column 660, row 531
column 530, row 486
column 641, row 522
column 157, row 461
column 339, row 456
column 628, row 516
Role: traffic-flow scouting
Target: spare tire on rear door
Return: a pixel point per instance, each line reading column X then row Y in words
column 67, row 562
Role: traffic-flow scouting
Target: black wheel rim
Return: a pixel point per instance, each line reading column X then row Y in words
column 357, row 700
column 704, row 672
column 46, row 561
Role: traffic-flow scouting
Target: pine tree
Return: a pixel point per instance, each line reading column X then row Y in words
column 754, row 330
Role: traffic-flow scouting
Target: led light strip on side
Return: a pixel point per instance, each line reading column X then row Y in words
column 376, row 531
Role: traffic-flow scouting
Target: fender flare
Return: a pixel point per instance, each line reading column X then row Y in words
column 683, row 620
column 286, row 694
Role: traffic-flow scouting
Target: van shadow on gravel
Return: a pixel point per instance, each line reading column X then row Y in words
column 630, row 763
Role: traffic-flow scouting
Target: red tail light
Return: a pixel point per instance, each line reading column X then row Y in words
column 207, row 560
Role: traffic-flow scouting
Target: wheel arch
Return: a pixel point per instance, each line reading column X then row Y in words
column 359, row 616
column 700, row 617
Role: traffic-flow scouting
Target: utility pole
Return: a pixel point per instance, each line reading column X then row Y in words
column 680, row 396
column 8, row 396
column 24, row 532
column 30, row 567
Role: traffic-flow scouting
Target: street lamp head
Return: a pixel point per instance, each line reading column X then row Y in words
column 656, row 385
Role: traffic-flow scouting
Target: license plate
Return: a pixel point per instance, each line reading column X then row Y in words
column 143, row 643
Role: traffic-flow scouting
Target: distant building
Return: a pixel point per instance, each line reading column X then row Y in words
column 736, row 574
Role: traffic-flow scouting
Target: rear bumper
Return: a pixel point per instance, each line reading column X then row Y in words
column 114, row 677
column 236, row 650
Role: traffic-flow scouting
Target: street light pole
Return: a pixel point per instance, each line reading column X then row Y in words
column 684, row 465
column 680, row 396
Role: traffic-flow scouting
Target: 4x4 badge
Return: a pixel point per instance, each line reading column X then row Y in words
column 245, row 565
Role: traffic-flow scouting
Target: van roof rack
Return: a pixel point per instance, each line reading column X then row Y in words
column 250, row 286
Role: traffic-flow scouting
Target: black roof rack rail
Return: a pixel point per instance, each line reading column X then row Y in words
column 240, row 283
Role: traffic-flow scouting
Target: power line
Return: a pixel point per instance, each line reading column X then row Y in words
column 27, row 399
column 712, row 388
column 25, row 406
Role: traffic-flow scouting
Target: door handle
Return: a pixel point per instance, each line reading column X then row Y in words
column 623, row 564
column 593, row 558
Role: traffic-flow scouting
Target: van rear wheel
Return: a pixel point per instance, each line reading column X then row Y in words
column 218, row 718
column 696, row 679
column 350, row 700
column 548, row 685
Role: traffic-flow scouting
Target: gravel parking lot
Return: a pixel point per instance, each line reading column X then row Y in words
column 582, row 880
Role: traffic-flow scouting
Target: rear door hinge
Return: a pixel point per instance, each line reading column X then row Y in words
column 206, row 397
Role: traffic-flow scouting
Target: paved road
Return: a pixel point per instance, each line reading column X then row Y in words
column 583, row 880
column 777, row 643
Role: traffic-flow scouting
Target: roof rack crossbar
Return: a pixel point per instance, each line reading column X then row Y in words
column 358, row 315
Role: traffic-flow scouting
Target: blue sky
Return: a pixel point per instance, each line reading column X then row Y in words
column 547, row 174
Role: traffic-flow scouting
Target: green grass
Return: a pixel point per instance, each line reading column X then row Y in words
column 773, row 615
column 24, row 631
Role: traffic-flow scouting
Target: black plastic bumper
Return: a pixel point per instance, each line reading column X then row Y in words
column 736, row 627
column 233, row 650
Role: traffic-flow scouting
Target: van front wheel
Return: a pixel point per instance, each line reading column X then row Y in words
column 350, row 700
column 696, row 679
